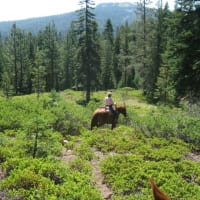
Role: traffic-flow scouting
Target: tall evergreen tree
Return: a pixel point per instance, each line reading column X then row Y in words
column 70, row 62
column 38, row 75
column 51, row 56
column 19, row 64
column 127, row 70
column 151, row 39
column 183, row 49
column 6, row 84
column 142, row 8
column 13, row 53
column 116, row 57
column 108, row 32
column 165, row 85
column 188, row 48
column 1, row 59
column 31, row 50
column 145, row 45
column 107, row 75
column 24, row 64
column 88, row 48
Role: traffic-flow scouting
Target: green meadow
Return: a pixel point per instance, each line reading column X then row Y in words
column 47, row 150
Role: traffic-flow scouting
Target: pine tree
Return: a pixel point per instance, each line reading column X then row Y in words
column 31, row 51
column 116, row 58
column 143, row 42
column 24, row 64
column 107, row 75
column 188, row 25
column 49, row 45
column 145, row 48
column 184, row 49
column 164, row 91
column 88, row 55
column 1, row 59
column 125, row 58
column 70, row 62
column 5, row 70
column 38, row 75
column 6, row 84
column 18, row 62
column 13, row 53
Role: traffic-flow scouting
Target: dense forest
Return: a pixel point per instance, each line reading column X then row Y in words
column 158, row 53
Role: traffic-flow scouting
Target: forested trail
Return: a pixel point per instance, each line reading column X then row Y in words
column 68, row 156
column 99, row 177
column 194, row 157
column 2, row 193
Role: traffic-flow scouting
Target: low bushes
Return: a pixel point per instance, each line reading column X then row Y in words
column 39, row 178
column 152, row 141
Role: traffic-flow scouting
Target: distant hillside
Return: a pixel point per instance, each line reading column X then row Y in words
column 119, row 13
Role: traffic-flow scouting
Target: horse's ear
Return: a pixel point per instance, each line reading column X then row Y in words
column 157, row 193
column 124, row 104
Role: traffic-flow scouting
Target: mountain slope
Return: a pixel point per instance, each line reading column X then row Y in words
column 117, row 12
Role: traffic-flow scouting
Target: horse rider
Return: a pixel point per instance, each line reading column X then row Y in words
column 109, row 103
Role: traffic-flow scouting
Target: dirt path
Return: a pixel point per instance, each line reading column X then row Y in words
column 99, row 177
column 68, row 156
column 193, row 157
column 2, row 193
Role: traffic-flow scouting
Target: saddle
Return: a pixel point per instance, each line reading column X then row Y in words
column 113, row 106
column 107, row 108
column 104, row 109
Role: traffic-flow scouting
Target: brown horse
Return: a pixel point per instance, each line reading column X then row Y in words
column 157, row 193
column 101, row 116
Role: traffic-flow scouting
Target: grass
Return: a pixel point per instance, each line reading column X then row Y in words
column 152, row 141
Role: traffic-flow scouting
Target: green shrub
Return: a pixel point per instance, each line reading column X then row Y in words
column 128, row 176
column 32, row 178
column 149, row 142
column 80, row 165
column 84, row 151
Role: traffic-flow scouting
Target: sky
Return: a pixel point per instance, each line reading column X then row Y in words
column 11, row 10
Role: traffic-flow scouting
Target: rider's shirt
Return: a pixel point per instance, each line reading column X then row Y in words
column 108, row 101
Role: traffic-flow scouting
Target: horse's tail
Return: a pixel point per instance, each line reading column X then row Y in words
column 94, row 121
